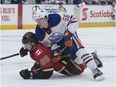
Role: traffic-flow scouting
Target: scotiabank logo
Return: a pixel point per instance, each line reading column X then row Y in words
column 93, row 14
column 84, row 13
column 100, row 14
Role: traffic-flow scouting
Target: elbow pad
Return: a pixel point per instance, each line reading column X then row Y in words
column 68, row 38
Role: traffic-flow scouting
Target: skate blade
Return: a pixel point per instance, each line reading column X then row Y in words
column 99, row 78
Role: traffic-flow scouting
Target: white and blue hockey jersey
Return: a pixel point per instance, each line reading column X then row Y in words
column 62, row 35
column 55, row 33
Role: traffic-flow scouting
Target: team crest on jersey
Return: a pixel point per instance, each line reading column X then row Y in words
column 55, row 37
column 38, row 52
column 47, row 43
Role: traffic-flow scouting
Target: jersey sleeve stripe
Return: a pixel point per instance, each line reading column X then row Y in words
column 47, row 70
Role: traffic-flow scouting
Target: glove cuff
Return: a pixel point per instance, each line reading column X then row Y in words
column 31, row 74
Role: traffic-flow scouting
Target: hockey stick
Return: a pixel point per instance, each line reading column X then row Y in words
column 9, row 56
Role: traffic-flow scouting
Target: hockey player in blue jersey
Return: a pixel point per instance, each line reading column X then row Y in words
column 60, row 35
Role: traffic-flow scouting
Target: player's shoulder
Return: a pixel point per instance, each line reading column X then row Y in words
column 41, row 46
column 42, row 49
column 54, row 19
column 40, row 34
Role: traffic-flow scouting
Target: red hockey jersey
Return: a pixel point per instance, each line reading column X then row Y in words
column 42, row 55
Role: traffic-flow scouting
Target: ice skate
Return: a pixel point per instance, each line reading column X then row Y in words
column 97, row 74
column 97, row 59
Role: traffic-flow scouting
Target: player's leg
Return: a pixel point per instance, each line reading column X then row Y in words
column 74, row 68
column 82, row 56
column 68, row 67
column 87, row 58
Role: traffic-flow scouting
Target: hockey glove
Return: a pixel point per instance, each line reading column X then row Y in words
column 25, row 74
column 57, row 58
column 68, row 43
column 23, row 52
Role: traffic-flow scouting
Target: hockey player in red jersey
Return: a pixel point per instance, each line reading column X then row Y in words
column 44, row 63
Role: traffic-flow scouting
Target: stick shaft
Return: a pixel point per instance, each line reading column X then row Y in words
column 9, row 56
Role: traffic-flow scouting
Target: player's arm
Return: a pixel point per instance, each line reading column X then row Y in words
column 68, row 38
column 72, row 26
column 37, row 72
column 43, row 69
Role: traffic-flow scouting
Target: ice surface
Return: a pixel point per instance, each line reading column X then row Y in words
column 101, row 39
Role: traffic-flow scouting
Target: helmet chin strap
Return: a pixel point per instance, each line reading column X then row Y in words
column 32, row 47
column 46, row 23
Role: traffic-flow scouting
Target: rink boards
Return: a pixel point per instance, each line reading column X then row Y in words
column 20, row 16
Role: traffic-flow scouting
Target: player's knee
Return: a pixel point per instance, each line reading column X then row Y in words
column 80, row 52
column 58, row 66
column 83, row 67
column 73, row 68
column 75, row 71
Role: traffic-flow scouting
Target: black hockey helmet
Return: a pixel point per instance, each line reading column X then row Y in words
column 29, row 37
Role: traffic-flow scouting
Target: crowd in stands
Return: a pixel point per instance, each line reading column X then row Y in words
column 109, row 2
column 88, row 2
column 61, row 2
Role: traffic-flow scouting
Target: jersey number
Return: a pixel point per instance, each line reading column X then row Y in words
column 44, row 60
column 66, row 17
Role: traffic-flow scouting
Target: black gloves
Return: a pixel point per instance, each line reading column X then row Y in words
column 23, row 52
column 26, row 74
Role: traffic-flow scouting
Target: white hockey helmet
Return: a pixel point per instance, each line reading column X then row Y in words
column 40, row 13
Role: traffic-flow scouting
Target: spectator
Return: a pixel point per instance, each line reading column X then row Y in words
column 16, row 1
column 114, row 10
column 38, row 1
column 45, row 1
column 32, row 1
column 110, row 2
column 48, row 2
column 61, row 8
column 95, row 2
column 69, row 1
column 24, row 1
column 2, row 1
column 86, row 2
column 66, row 1
column 79, row 3
column 53, row 1
column 90, row 2
column 103, row 2
column 60, row 1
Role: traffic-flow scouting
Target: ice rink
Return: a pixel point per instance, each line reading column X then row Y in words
column 101, row 39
